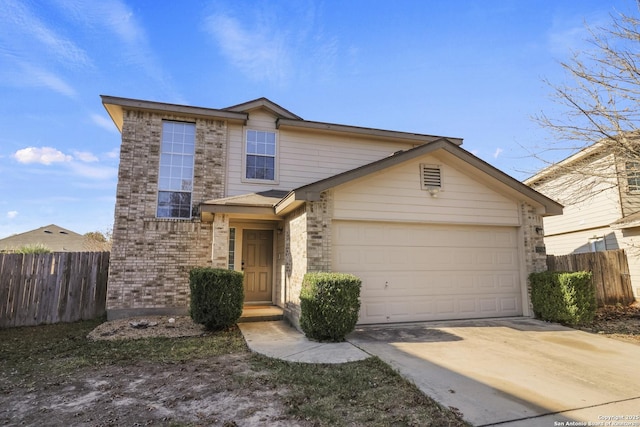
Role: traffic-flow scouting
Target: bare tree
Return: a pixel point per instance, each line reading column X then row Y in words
column 601, row 112
column 97, row 241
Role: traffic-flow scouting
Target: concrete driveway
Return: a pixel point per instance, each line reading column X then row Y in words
column 514, row 372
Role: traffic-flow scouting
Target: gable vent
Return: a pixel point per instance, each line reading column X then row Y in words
column 431, row 177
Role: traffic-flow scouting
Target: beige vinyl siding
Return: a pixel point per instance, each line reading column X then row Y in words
column 579, row 241
column 598, row 210
column 303, row 156
column 395, row 195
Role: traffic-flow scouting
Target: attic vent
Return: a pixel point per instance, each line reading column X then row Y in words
column 431, row 177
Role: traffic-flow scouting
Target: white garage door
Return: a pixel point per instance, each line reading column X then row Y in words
column 415, row 272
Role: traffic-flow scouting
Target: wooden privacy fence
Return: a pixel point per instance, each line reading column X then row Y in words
column 51, row 288
column 610, row 273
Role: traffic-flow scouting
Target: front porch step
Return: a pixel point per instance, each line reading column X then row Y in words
column 260, row 313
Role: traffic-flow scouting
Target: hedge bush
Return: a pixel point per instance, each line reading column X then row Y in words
column 217, row 297
column 330, row 304
column 567, row 298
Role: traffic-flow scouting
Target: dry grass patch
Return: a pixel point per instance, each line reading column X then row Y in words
column 53, row 374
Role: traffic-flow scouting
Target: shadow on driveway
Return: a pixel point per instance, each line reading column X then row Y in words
column 515, row 371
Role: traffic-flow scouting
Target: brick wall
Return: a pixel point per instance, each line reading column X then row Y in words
column 295, row 265
column 151, row 257
column 534, row 249
column 307, row 248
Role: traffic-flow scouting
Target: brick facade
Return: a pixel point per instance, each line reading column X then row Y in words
column 534, row 249
column 151, row 257
column 307, row 248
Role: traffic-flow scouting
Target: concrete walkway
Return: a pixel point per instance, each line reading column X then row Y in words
column 279, row 340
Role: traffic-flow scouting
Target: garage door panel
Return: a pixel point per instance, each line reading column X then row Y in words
column 413, row 272
column 438, row 308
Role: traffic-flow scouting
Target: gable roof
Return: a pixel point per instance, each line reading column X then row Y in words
column 263, row 103
column 115, row 106
column 311, row 192
column 54, row 237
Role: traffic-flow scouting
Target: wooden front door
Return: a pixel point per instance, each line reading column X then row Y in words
column 257, row 260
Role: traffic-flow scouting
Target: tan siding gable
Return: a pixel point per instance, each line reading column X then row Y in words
column 395, row 194
column 305, row 157
column 581, row 211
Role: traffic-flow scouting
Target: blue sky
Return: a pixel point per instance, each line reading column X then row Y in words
column 470, row 69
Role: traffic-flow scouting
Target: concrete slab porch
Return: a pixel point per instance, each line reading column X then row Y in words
column 261, row 313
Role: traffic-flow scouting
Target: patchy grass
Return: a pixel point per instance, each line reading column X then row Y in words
column 31, row 354
column 367, row 393
column 54, row 367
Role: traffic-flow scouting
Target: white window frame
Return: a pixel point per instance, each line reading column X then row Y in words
column 245, row 154
column 632, row 173
column 168, row 184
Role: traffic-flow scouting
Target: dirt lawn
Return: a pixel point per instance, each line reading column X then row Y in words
column 224, row 390
column 231, row 389
column 191, row 384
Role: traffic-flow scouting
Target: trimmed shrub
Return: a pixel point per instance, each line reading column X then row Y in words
column 568, row 298
column 217, row 296
column 330, row 304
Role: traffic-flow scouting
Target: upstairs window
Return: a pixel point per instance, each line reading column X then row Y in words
column 261, row 155
column 632, row 170
column 175, row 180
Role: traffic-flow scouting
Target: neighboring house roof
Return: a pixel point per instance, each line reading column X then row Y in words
column 270, row 204
column 55, row 238
column 629, row 221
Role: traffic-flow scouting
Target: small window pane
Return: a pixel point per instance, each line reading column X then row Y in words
column 260, row 155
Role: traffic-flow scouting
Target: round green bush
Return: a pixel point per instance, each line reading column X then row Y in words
column 217, row 297
column 330, row 305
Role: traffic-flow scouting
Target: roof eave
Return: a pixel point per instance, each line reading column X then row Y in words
column 369, row 132
column 115, row 106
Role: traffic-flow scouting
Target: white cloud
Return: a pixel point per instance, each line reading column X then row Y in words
column 103, row 122
column 85, row 156
column 93, row 172
column 42, row 155
column 119, row 19
column 40, row 39
column 12, row 214
column 273, row 47
column 261, row 53
column 497, row 153
column 113, row 154
column 40, row 77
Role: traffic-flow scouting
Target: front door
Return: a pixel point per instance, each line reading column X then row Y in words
column 257, row 257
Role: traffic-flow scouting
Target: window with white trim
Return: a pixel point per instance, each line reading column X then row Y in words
column 175, row 178
column 632, row 170
column 260, row 161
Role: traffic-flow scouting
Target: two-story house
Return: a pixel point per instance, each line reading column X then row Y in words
column 601, row 194
column 433, row 231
